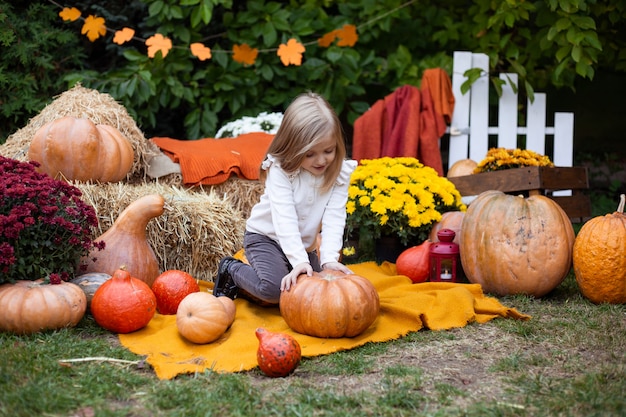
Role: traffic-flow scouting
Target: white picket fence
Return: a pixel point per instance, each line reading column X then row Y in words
column 470, row 131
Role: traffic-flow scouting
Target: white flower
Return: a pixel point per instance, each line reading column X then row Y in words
column 264, row 122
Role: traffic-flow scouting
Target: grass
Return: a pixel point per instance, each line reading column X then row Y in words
column 568, row 360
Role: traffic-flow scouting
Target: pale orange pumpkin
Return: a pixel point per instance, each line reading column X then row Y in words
column 79, row 150
column 452, row 220
column 600, row 257
column 330, row 304
column 126, row 242
column 203, row 318
column 461, row 168
column 31, row 306
column 516, row 245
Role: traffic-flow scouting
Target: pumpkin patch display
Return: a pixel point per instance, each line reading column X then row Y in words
column 32, row 306
column 126, row 242
column 600, row 257
column 123, row 304
column 79, row 150
column 203, row 318
column 330, row 304
column 170, row 288
column 414, row 262
column 515, row 245
column 278, row 354
column 89, row 283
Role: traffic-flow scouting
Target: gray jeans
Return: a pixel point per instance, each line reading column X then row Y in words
column 267, row 267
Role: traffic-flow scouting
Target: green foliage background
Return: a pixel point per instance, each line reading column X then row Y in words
column 547, row 42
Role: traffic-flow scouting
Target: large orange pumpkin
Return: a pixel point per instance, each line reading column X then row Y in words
column 330, row 304
column 31, row 306
column 123, row 304
column 516, row 245
column 79, row 150
column 600, row 257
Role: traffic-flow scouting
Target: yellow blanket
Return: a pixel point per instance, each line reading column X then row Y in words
column 405, row 307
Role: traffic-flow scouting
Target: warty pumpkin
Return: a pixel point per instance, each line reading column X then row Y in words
column 31, row 306
column 278, row 354
column 330, row 304
column 600, row 257
column 203, row 318
column 515, row 245
column 79, row 150
column 126, row 242
column 123, row 304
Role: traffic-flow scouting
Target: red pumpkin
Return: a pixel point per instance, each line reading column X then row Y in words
column 278, row 354
column 170, row 288
column 123, row 304
column 414, row 262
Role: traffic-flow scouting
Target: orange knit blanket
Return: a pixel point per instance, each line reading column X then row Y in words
column 212, row 161
column 404, row 307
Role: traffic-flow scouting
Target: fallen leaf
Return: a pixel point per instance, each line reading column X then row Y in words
column 244, row 54
column 199, row 50
column 347, row 35
column 158, row 42
column 123, row 35
column 94, row 27
column 70, row 14
column 291, row 53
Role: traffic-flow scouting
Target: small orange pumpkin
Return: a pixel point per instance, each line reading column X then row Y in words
column 31, row 306
column 171, row 287
column 278, row 354
column 600, row 257
column 330, row 304
column 414, row 262
column 461, row 168
column 515, row 245
column 123, row 304
column 79, row 150
column 203, row 318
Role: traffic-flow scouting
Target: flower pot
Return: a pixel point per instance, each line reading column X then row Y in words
column 388, row 248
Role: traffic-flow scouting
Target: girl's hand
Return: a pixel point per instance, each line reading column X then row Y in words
column 290, row 279
column 337, row 266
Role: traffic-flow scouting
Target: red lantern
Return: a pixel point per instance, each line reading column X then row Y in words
column 445, row 259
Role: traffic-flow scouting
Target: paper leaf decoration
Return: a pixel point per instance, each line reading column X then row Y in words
column 199, row 50
column 347, row 35
column 68, row 14
column 244, row 54
column 158, row 42
column 327, row 39
column 291, row 53
column 94, row 27
column 124, row 35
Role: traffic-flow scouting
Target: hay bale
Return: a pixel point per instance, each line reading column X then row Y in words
column 98, row 107
column 196, row 230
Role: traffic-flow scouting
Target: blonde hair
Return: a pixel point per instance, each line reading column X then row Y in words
column 308, row 120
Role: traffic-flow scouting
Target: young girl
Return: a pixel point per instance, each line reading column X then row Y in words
column 306, row 190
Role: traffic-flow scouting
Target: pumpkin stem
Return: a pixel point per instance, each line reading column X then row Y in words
column 622, row 200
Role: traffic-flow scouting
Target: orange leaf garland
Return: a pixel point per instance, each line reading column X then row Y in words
column 347, row 35
column 158, row 42
column 291, row 53
column 199, row 50
column 94, row 27
column 123, row 36
column 244, row 54
column 327, row 39
column 69, row 14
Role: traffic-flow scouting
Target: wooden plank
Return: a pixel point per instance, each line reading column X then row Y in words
column 536, row 124
column 563, row 178
column 577, row 206
column 479, row 110
column 507, row 113
column 459, row 142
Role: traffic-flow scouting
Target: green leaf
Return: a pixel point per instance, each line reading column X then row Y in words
column 577, row 53
column 156, row 8
column 530, row 91
column 269, row 34
column 562, row 24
